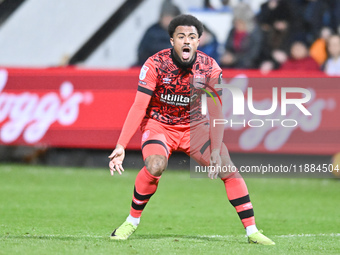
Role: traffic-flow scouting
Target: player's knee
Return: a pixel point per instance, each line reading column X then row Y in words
column 156, row 164
column 228, row 169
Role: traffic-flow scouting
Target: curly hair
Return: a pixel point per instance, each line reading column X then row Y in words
column 185, row 20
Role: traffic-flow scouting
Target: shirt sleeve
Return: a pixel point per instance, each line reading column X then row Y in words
column 215, row 78
column 146, row 86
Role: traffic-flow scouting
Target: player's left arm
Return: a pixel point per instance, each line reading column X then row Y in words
column 215, row 112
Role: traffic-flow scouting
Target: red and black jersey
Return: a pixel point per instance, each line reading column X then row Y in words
column 176, row 92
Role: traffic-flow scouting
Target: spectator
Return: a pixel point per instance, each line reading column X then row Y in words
column 300, row 59
column 278, row 23
column 314, row 13
column 318, row 49
column 332, row 65
column 156, row 38
column 209, row 44
column 334, row 14
column 244, row 40
column 274, row 13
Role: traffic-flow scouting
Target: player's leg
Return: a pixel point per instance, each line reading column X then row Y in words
column 238, row 194
column 155, row 150
column 155, row 154
column 146, row 184
column 234, row 184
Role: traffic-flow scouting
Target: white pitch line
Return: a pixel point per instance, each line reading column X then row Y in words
column 200, row 236
column 280, row 236
column 308, row 235
column 72, row 236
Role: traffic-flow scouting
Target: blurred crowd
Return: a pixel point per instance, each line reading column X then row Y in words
column 283, row 35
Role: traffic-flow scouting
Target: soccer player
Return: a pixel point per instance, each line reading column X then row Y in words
column 167, row 107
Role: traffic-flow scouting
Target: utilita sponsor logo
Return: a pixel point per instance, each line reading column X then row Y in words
column 274, row 130
column 178, row 100
column 32, row 115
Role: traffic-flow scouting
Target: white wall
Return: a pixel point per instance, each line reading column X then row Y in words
column 120, row 49
column 185, row 5
column 255, row 4
column 43, row 32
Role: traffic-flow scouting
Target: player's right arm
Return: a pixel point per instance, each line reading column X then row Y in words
column 146, row 86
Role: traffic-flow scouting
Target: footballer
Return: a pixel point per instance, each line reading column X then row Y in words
column 167, row 108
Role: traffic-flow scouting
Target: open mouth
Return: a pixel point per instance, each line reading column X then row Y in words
column 185, row 53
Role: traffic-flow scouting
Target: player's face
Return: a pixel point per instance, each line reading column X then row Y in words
column 185, row 42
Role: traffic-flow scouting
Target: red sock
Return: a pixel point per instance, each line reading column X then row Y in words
column 145, row 186
column 238, row 196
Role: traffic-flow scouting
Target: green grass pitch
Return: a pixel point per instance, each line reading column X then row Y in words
column 50, row 210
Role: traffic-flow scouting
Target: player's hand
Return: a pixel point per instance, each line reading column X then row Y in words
column 215, row 161
column 116, row 159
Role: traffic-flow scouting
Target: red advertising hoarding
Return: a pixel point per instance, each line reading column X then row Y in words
column 67, row 107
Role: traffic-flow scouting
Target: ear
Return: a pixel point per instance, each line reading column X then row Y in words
column 172, row 41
